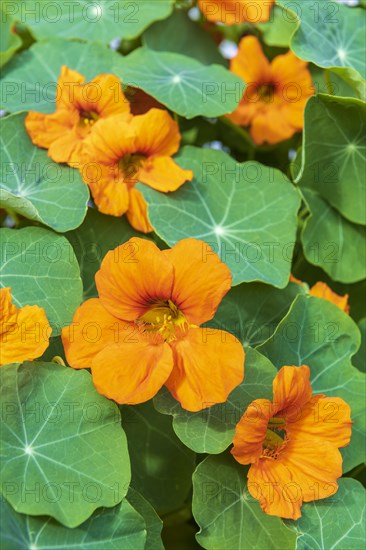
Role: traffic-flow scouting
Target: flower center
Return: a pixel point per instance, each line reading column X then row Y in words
column 130, row 165
column 266, row 92
column 275, row 439
column 164, row 318
column 88, row 118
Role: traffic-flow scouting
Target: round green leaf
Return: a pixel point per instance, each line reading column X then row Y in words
column 9, row 40
column 332, row 242
column 152, row 521
column 317, row 333
column 252, row 311
column 107, row 529
column 36, row 187
column 359, row 359
column 337, row 522
column 64, row 451
column 227, row 514
column 181, row 83
column 212, row 430
column 87, row 20
column 331, row 36
column 29, row 80
column 41, row 269
column 334, row 154
column 279, row 29
column 246, row 212
column 154, row 449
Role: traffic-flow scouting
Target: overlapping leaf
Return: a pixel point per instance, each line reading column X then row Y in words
column 9, row 40
column 317, row 333
column 245, row 212
column 212, row 430
column 29, row 80
column 41, row 269
column 88, row 20
column 64, row 451
column 34, row 186
column 181, row 83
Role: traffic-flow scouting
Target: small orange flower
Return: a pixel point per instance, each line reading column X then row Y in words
column 322, row 290
column 24, row 332
column 79, row 106
column 120, row 152
column 276, row 94
column 232, row 12
column 143, row 330
column 292, row 444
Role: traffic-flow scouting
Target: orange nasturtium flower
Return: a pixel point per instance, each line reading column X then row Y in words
column 276, row 93
column 120, row 152
column 79, row 106
column 24, row 332
column 232, row 12
column 292, row 444
column 143, row 330
column 322, row 290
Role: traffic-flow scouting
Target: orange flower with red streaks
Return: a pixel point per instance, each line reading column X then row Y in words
column 79, row 106
column 145, row 326
column 24, row 332
column 120, row 152
column 274, row 100
column 233, row 12
column 322, row 290
column 292, row 444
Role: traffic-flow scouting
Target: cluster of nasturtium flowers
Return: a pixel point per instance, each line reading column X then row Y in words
column 152, row 303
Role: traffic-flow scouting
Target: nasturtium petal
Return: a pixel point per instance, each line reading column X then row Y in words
column 96, row 236
column 334, row 154
column 41, row 269
column 252, row 311
column 212, row 430
column 36, row 187
column 107, row 529
column 181, row 83
column 61, row 439
column 87, row 20
column 29, row 81
column 154, row 448
column 317, row 333
column 332, row 36
column 246, row 212
column 228, row 515
column 326, row 237
column 335, row 522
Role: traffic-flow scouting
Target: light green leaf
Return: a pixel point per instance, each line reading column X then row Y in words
column 245, row 212
column 334, row 154
column 227, row 514
column 317, row 333
column 252, row 311
column 36, row 187
column 107, row 529
column 152, row 521
column 161, row 466
column 88, row 20
column 280, row 27
column 181, row 83
column 175, row 35
column 93, row 239
column 212, row 430
column 331, row 36
column 65, row 453
column 330, row 241
column 29, row 80
column 337, row 522
column 41, row 269
column 9, row 41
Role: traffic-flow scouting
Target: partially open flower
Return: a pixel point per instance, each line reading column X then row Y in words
column 120, row 152
column 145, row 326
column 274, row 100
column 24, row 332
column 292, row 444
column 233, row 12
column 79, row 105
